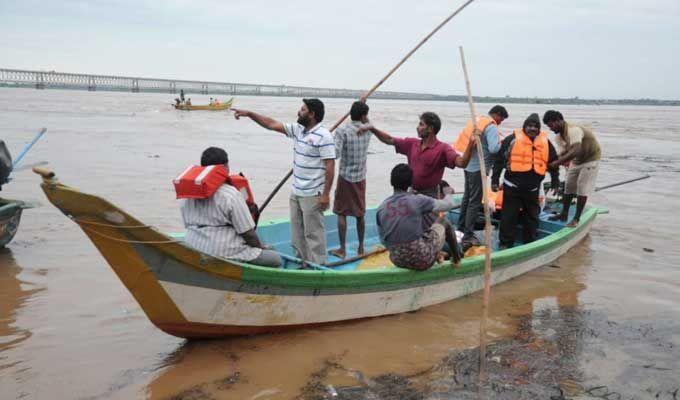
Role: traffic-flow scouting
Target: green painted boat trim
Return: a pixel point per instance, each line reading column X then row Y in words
column 395, row 278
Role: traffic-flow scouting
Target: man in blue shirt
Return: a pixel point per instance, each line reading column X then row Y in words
column 472, row 197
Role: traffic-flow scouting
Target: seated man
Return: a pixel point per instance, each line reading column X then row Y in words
column 221, row 225
column 400, row 224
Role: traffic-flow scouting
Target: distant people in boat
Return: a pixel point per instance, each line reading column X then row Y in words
column 400, row 224
column 427, row 156
column 222, row 225
column 578, row 147
column 313, row 173
column 525, row 156
column 188, row 102
column 351, row 147
column 216, row 102
column 211, row 102
column 471, row 204
column 181, row 95
column 177, row 102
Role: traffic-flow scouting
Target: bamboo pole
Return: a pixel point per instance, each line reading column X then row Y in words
column 375, row 87
column 487, row 228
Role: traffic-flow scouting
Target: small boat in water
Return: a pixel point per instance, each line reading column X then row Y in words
column 193, row 295
column 205, row 107
column 10, row 216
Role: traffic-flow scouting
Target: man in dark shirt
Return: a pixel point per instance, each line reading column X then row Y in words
column 400, row 224
column 525, row 156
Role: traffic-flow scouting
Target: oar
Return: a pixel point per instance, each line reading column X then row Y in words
column 487, row 229
column 28, row 147
column 622, row 183
column 356, row 258
column 374, row 88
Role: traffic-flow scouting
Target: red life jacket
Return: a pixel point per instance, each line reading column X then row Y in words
column 197, row 182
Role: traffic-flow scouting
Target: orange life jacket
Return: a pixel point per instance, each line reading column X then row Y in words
column 527, row 155
column 497, row 198
column 464, row 136
column 197, row 182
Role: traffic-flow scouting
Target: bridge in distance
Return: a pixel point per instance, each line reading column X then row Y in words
column 64, row 80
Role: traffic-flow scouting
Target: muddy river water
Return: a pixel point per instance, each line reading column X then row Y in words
column 607, row 312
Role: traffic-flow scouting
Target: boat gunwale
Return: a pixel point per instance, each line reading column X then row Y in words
column 334, row 280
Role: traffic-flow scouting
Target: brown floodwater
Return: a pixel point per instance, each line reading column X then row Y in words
column 69, row 329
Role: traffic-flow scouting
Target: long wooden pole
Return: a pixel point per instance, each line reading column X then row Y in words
column 487, row 228
column 375, row 87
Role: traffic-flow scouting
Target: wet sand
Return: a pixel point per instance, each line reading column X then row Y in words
column 69, row 329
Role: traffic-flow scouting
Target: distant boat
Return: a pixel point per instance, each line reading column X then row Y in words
column 10, row 216
column 205, row 107
column 190, row 294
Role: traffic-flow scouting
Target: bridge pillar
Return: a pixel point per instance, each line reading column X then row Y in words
column 173, row 87
column 135, row 86
column 91, row 85
column 204, row 88
column 40, row 81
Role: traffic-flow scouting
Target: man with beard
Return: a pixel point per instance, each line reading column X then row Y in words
column 525, row 156
column 579, row 147
column 313, row 173
column 427, row 156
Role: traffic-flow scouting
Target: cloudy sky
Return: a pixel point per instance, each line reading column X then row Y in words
column 546, row 48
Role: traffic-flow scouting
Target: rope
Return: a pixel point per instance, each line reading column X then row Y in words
column 80, row 221
column 126, row 240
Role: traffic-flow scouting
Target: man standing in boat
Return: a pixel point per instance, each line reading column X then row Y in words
column 350, row 192
column 580, row 148
column 471, row 204
column 427, row 156
column 525, row 156
column 400, row 224
column 313, row 173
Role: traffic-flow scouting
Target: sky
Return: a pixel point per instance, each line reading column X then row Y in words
column 547, row 48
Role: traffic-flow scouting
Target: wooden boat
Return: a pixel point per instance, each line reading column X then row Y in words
column 192, row 295
column 10, row 216
column 205, row 107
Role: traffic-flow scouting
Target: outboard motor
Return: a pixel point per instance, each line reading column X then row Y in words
column 5, row 164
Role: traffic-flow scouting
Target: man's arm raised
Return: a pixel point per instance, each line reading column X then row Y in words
column 381, row 135
column 263, row 121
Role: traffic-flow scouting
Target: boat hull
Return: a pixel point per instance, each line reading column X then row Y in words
column 10, row 216
column 205, row 107
column 192, row 295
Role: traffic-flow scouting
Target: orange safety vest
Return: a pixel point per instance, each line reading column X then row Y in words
column 527, row 155
column 464, row 136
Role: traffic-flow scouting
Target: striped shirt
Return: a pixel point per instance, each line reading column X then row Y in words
column 310, row 149
column 215, row 225
column 352, row 149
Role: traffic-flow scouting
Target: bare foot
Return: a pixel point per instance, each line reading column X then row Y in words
column 441, row 257
column 572, row 224
column 361, row 251
column 340, row 253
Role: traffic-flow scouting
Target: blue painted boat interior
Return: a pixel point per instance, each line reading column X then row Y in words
column 277, row 235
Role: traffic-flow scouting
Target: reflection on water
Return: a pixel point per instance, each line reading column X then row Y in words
column 282, row 366
column 13, row 295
